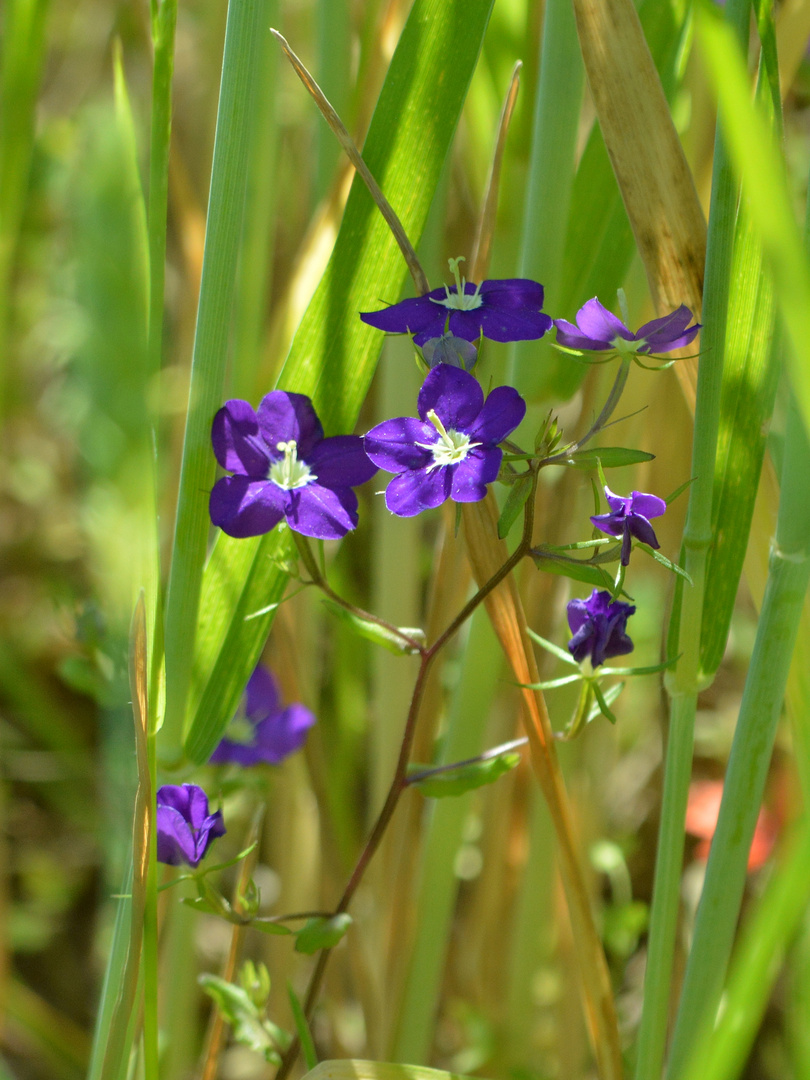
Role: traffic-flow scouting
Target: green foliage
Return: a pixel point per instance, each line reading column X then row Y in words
column 322, row 933
column 453, row 780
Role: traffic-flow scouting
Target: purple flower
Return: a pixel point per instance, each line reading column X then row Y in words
column 284, row 468
column 598, row 625
column 506, row 310
column 599, row 330
column 185, row 829
column 262, row 731
column 452, row 450
column 630, row 517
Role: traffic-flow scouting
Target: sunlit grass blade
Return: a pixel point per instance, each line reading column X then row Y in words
column 333, row 355
column 756, row 159
column 21, row 61
column 223, row 231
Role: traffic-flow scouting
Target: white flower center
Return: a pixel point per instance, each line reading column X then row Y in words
column 241, row 731
column 452, row 446
column 459, row 300
column 290, row 473
column 627, row 348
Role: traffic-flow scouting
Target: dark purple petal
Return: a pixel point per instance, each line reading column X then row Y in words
column 419, row 315
column 669, row 332
column 649, row 506
column 261, row 695
column 243, row 507
column 416, row 490
column 184, row 827
column 617, row 503
column 511, row 293
column 283, row 734
column 471, row 476
column 322, row 512
column 598, row 625
column 341, row 461
column 454, row 395
column 392, row 445
column 502, row 412
column 237, row 442
column 498, row 324
column 642, row 530
column 175, row 840
column 595, row 321
column 609, row 523
column 283, row 416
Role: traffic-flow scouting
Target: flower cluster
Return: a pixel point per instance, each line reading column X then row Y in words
column 599, row 330
column 599, row 627
column 185, row 829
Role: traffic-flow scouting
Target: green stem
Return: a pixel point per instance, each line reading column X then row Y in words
column 223, row 230
column 684, row 683
column 150, row 937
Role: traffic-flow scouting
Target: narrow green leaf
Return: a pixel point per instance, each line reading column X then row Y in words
column 321, row 933
column 549, row 646
column 570, row 568
column 609, row 457
column 380, row 635
column 664, row 561
column 457, row 781
column 515, row 501
column 275, row 929
column 302, row 1029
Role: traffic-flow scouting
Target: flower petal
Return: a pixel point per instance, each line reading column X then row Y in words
column 649, row 506
column 322, row 512
column 416, row 490
column 596, row 322
column 283, row 734
column 499, row 324
column 455, row 396
column 609, row 523
column 512, row 293
column 238, row 444
column 642, row 530
column 669, row 332
column 471, row 476
column 283, row 416
column 243, row 507
column 341, row 461
column 261, row 695
column 502, row 412
column 419, row 315
column 175, row 841
column 392, row 445
column 571, row 337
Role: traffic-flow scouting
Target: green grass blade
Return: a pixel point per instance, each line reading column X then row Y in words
column 223, row 230
column 333, row 355
column 757, row 160
column 721, row 1053
column 751, row 751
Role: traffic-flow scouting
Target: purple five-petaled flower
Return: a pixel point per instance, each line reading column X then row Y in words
column 263, row 731
column 284, row 468
column 505, row 310
column 185, row 829
column 629, row 518
column 598, row 625
column 452, row 450
column 599, row 330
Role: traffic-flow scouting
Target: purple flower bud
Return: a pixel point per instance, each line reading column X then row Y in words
column 185, row 829
column 452, row 451
column 263, row 731
column 599, row 330
column 447, row 349
column 284, row 468
column 630, row 517
column 598, row 625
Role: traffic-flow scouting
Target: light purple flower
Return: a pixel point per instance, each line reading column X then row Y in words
column 185, row 829
column 505, row 310
column 284, row 468
column 630, row 517
column 599, row 330
column 452, row 451
column 599, row 628
column 263, row 731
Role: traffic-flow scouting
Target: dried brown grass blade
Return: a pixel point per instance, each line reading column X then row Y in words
column 482, row 248
column 648, row 160
column 487, row 554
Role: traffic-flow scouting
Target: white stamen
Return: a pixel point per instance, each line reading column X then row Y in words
column 452, row 447
column 459, row 300
column 290, row 473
